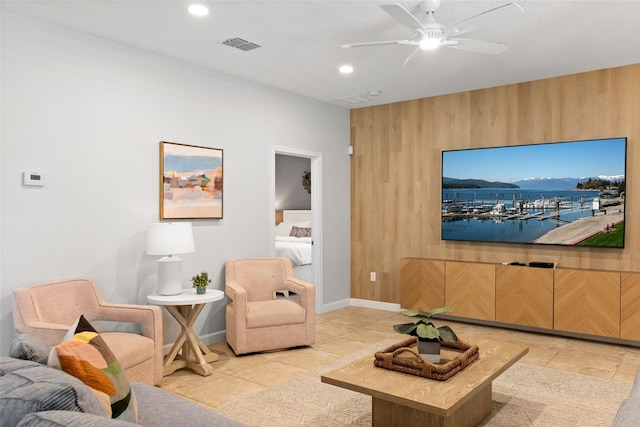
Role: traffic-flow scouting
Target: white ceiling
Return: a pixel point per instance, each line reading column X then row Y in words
column 299, row 41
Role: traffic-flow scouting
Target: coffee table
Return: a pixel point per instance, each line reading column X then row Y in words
column 400, row 399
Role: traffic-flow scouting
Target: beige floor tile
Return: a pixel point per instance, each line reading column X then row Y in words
column 268, row 374
column 539, row 356
column 534, row 361
column 628, row 367
column 307, row 358
column 632, row 354
column 371, row 336
column 348, row 323
column 602, row 365
column 341, row 346
column 228, row 387
column 330, row 329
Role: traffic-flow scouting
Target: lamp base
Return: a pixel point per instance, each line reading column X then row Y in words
column 169, row 276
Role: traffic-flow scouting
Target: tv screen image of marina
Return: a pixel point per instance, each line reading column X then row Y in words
column 563, row 193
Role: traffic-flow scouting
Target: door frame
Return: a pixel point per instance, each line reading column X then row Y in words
column 316, row 210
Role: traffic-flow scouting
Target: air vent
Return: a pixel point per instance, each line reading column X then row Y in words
column 354, row 99
column 241, row 44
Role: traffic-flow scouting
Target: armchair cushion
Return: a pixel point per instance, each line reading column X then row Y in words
column 277, row 312
column 86, row 356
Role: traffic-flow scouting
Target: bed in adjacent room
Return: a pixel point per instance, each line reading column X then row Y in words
column 293, row 241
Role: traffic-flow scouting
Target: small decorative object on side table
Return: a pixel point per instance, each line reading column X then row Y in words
column 200, row 282
column 185, row 308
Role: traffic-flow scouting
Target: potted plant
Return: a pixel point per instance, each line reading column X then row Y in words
column 429, row 336
column 200, row 282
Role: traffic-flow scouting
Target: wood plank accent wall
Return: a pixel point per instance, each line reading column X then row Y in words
column 396, row 169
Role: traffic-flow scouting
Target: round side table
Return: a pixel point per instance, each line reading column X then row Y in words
column 185, row 308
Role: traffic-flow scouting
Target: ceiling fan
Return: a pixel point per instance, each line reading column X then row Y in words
column 431, row 34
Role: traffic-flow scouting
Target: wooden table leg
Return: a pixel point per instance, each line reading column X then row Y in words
column 195, row 355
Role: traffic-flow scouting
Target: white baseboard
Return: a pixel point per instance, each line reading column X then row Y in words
column 336, row 305
column 378, row 305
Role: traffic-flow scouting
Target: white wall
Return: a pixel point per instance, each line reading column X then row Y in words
column 89, row 114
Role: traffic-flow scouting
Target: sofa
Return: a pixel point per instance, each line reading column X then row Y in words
column 33, row 394
column 629, row 411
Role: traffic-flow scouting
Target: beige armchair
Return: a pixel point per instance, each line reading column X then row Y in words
column 49, row 310
column 257, row 320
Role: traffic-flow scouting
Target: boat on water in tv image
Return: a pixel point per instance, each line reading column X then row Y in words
column 561, row 193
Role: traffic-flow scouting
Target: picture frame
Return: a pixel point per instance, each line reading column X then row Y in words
column 191, row 181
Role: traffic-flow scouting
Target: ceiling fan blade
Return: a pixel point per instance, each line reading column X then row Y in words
column 411, row 56
column 365, row 44
column 487, row 18
column 403, row 16
column 478, row 46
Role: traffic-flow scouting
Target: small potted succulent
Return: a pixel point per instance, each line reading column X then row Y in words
column 200, row 282
column 429, row 336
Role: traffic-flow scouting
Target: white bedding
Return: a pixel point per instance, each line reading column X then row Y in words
column 297, row 249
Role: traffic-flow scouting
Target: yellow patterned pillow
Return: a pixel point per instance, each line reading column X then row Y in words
column 86, row 356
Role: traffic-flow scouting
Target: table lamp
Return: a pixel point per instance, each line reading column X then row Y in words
column 169, row 239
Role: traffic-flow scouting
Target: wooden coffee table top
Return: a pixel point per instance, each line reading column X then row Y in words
column 436, row 397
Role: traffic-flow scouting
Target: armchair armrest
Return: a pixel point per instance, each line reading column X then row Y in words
column 148, row 316
column 238, row 295
column 51, row 333
column 306, row 291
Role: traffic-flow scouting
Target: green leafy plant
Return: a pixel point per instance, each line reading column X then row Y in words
column 424, row 328
column 201, row 280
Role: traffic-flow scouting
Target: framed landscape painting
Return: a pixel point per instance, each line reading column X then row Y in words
column 190, row 181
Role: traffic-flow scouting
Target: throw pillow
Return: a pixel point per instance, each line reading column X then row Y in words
column 300, row 232
column 29, row 347
column 86, row 356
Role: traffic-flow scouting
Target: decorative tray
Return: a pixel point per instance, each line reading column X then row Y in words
column 404, row 357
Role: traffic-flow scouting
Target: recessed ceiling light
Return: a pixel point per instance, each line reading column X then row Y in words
column 346, row 69
column 198, row 10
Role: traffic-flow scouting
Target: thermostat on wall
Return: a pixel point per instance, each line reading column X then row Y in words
column 33, row 179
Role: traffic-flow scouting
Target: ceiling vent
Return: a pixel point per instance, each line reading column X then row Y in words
column 241, row 44
column 354, row 99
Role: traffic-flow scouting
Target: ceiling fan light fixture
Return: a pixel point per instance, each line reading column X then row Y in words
column 198, row 10
column 429, row 43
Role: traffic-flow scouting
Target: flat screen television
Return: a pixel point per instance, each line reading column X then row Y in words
column 561, row 193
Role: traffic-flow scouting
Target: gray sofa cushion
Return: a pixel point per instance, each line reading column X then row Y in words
column 27, row 387
column 70, row 419
column 29, row 347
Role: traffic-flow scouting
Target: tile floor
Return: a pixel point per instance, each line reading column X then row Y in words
column 345, row 331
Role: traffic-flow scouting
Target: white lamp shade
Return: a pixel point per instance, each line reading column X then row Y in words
column 170, row 238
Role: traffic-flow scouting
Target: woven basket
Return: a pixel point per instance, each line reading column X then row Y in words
column 404, row 357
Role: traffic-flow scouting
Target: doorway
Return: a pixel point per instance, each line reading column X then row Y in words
column 316, row 211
